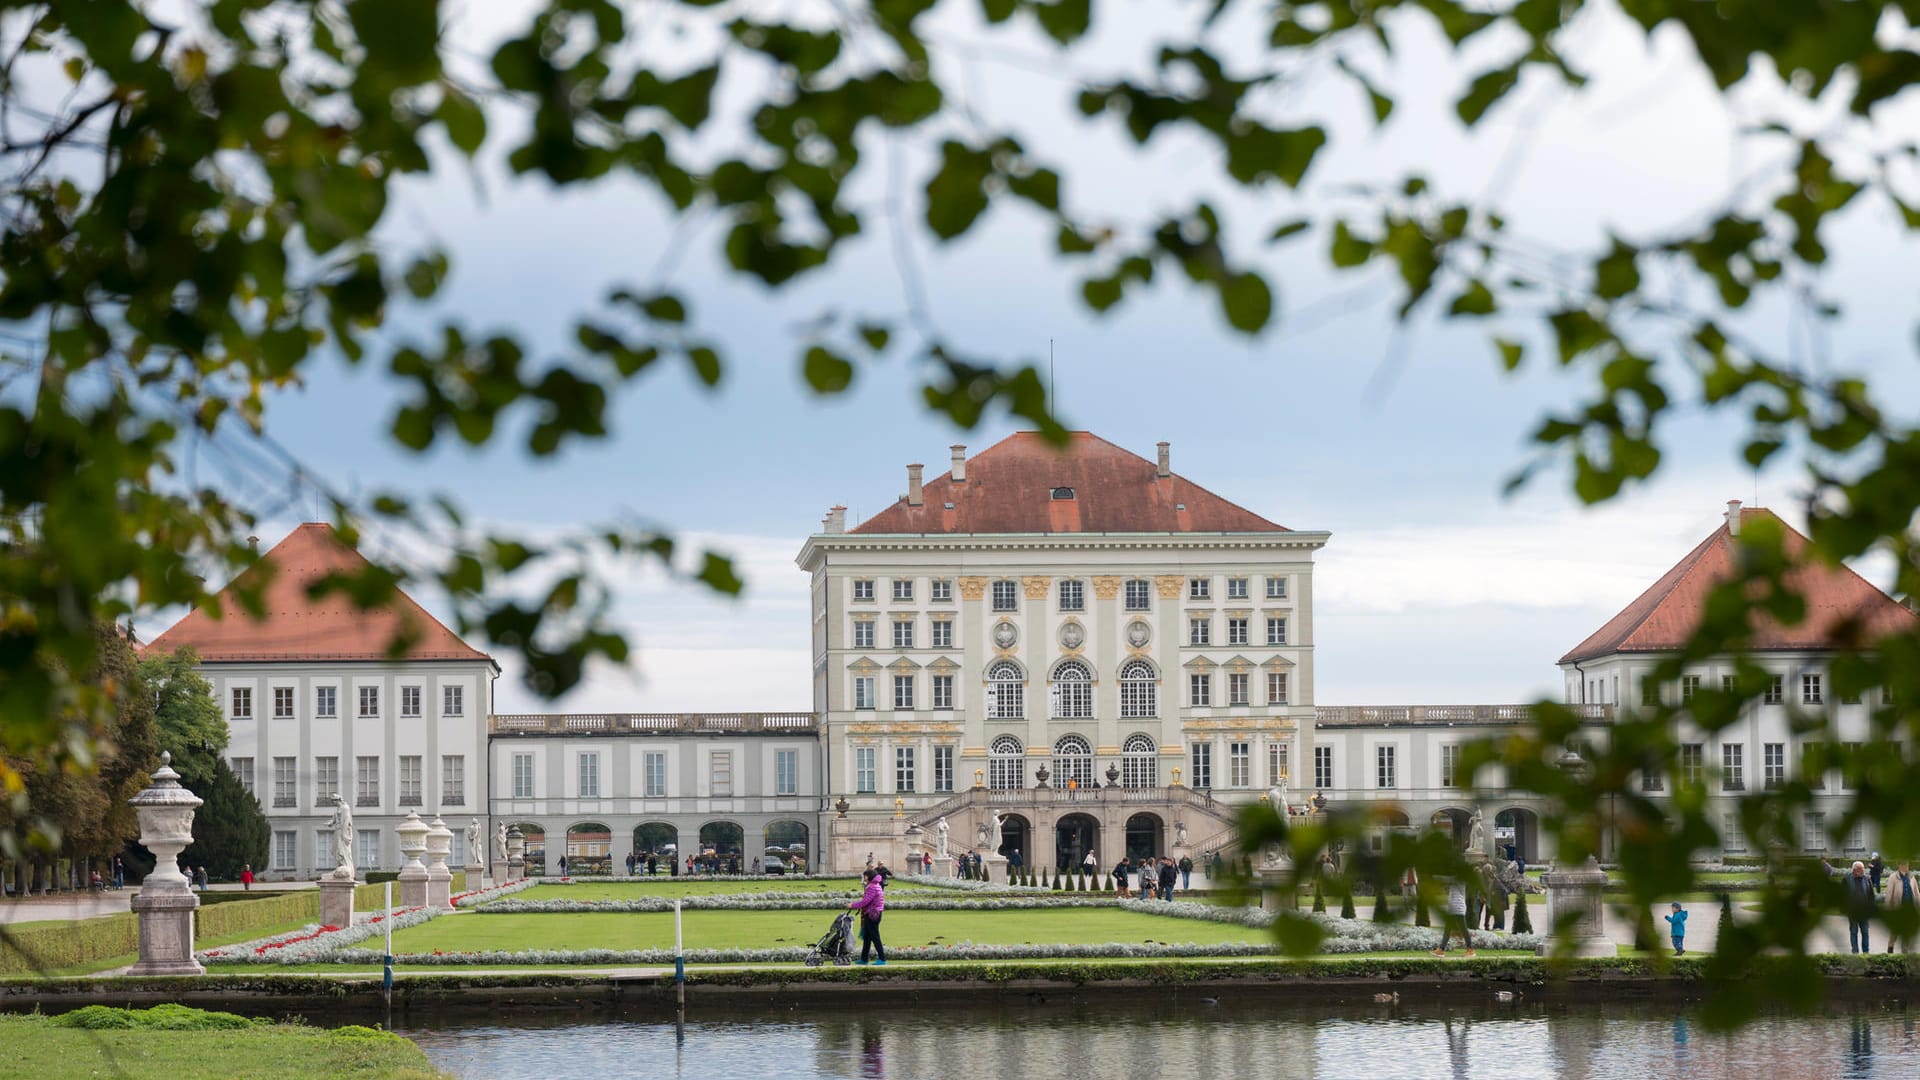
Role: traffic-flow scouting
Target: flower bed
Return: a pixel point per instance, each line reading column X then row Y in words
column 970, row 885
column 478, row 897
column 797, row 902
column 315, row 943
column 665, row 879
column 795, row 954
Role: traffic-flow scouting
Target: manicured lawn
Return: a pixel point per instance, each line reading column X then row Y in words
column 439, row 969
column 36, row 1049
column 670, row 888
column 774, row 929
column 111, row 962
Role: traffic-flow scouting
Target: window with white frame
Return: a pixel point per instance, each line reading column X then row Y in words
column 1692, row 763
column 942, row 692
column 1200, row 689
column 243, row 703
column 1813, row 831
column 1450, row 765
column 1073, row 595
column 943, row 768
column 1857, row 837
column 1385, row 762
column 1072, row 762
column 285, row 849
column 903, row 769
column 863, row 692
column 1277, row 688
column 942, row 633
column 410, row 780
column 1006, row 692
column 940, row 589
column 863, row 588
column 1776, row 691
column 523, row 776
column 1278, row 765
column 1139, row 762
column 453, row 700
column 863, row 633
column 903, row 588
column 1237, row 688
column 284, row 781
column 1649, row 692
column 283, row 703
column 1732, row 773
column 1006, row 595
column 1322, row 767
column 366, row 848
column 1240, row 764
column 1200, row 759
column 1810, row 690
column 326, row 701
column 1732, row 837
column 1137, row 690
column 1072, row 691
column 410, row 701
column 786, row 772
column 1850, row 764
column 1773, row 760
column 1200, row 630
column 1652, row 779
column 903, row 633
column 1006, row 763
column 1236, row 588
column 866, row 776
column 369, row 701
column 1199, row 588
column 1812, row 767
column 1237, row 630
column 366, row 781
column 1276, row 630
column 903, row 691
column 1139, row 594
column 242, row 768
column 326, row 779
column 588, row 767
column 653, row 772
column 720, row 774
column 1276, row 588
column 1689, row 686
column 453, row 779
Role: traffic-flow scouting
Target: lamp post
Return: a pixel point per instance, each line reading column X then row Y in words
column 165, row 903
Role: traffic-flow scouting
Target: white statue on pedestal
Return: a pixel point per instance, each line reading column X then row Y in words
column 1277, row 795
column 342, row 838
column 997, row 835
column 500, row 843
column 1477, row 832
column 1179, row 834
column 473, row 840
column 940, row 830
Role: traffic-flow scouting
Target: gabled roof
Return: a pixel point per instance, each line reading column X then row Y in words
column 296, row 627
column 1009, row 489
column 1843, row 608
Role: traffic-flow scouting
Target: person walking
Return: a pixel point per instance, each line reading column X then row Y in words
column 1859, row 906
column 246, row 877
column 563, row 866
column 1168, row 874
column 1677, row 929
column 1149, row 882
column 1876, row 870
column 1090, row 866
column 1120, row 877
column 1454, row 920
column 1903, row 892
column 871, row 904
column 1186, row 872
column 119, row 873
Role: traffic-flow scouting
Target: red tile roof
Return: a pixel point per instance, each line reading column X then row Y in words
column 1009, row 489
column 1843, row 608
column 296, row 627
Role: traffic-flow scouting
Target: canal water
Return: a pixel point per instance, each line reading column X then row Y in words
column 1190, row 1036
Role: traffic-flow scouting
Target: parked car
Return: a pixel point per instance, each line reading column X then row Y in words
column 772, row 865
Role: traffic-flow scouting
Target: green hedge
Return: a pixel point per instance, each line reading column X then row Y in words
column 221, row 920
column 36, row 949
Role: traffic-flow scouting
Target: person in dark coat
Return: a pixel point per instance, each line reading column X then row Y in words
column 1168, row 875
column 1859, row 904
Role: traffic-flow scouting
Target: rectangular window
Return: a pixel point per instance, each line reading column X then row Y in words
column 903, row 768
column 1810, row 768
column 863, row 588
column 941, row 589
column 864, row 780
column 1726, row 684
column 589, row 770
column 1276, row 631
column 1649, row 692
column 410, row 781
column 1276, row 588
column 863, row 633
column 1237, row 631
column 1073, row 595
column 366, row 781
column 285, row 849
column 903, row 633
column 653, row 773
column 1383, row 763
column 284, row 779
column 943, row 633
column 903, row 588
column 1810, row 690
column 1689, row 686
column 366, row 848
column 1237, row 688
column 903, row 691
column 1774, row 761
column 1732, row 774
column 1240, row 764
column 1813, row 831
column 1450, row 765
column 1200, row 691
column 1322, row 767
column 1731, row 836
column 453, row 779
column 720, row 773
column 1849, row 764
column 1652, row 780
column 523, row 776
column 1857, row 837
column 326, row 701
column 943, row 691
column 369, row 701
column 786, row 772
column 1776, row 691
column 453, row 700
column 1851, row 697
column 1236, row 588
column 243, row 703
column 1277, row 688
column 1200, row 756
column 1139, row 594
column 1278, row 767
column 283, row 703
column 243, row 771
column 1006, row 595
column 1693, row 763
column 1200, row 631
column 326, row 779
column 863, row 692
column 943, row 768
column 410, row 701
column 1199, row 588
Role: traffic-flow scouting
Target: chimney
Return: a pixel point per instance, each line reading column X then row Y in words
column 1165, row 468
column 913, row 484
column 835, row 521
column 253, row 542
column 1733, row 517
column 959, row 462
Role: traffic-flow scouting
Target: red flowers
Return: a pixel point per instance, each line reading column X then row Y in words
column 284, row 942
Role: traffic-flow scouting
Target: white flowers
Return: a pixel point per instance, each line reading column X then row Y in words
column 316, row 943
column 481, row 896
column 790, row 955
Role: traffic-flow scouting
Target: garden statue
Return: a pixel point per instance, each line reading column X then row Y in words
column 999, row 829
column 342, row 838
column 500, row 843
column 1277, row 795
column 1179, row 834
column 940, row 829
column 473, row 840
column 1477, row 832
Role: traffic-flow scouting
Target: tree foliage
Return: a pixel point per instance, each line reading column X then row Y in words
column 229, row 830
column 188, row 722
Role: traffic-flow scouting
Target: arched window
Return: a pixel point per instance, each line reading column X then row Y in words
column 1072, row 691
column 1136, row 689
column 1006, row 692
column 1139, row 763
column 1072, row 762
column 1006, row 763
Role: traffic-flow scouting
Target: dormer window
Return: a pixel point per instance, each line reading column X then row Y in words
column 1061, row 494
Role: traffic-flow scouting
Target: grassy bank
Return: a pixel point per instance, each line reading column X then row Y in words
column 171, row 1041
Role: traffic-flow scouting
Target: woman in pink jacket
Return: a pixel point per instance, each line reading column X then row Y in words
column 870, row 905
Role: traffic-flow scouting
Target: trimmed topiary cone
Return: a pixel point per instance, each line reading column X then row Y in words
column 1725, row 926
column 1346, row 907
column 1522, row 923
column 1319, row 900
column 1420, row 916
column 1381, row 912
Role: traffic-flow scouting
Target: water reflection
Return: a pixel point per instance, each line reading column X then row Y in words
column 1184, row 1037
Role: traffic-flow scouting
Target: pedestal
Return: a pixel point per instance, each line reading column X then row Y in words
column 413, row 886
column 1573, row 901
column 516, row 869
column 993, row 867
column 336, row 901
column 477, row 877
column 166, row 933
column 1278, row 891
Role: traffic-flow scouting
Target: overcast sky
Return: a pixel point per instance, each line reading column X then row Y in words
column 1397, row 439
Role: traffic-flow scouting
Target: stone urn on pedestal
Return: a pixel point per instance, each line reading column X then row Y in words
column 165, row 904
column 439, row 874
column 1574, row 897
column 516, row 853
column 413, row 873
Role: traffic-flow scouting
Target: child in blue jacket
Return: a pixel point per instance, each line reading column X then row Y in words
column 1677, row 926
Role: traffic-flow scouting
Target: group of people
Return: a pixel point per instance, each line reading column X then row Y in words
column 1861, row 886
column 1152, row 877
column 636, row 860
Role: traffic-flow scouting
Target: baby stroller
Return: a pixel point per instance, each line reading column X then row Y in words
column 837, row 945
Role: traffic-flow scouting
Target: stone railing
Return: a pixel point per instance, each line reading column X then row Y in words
column 649, row 723
column 1067, row 798
column 1369, row 715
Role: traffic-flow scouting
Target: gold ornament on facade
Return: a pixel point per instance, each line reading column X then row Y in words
column 973, row 588
column 1169, row 586
column 1036, row 587
column 1106, row 588
column 979, row 778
